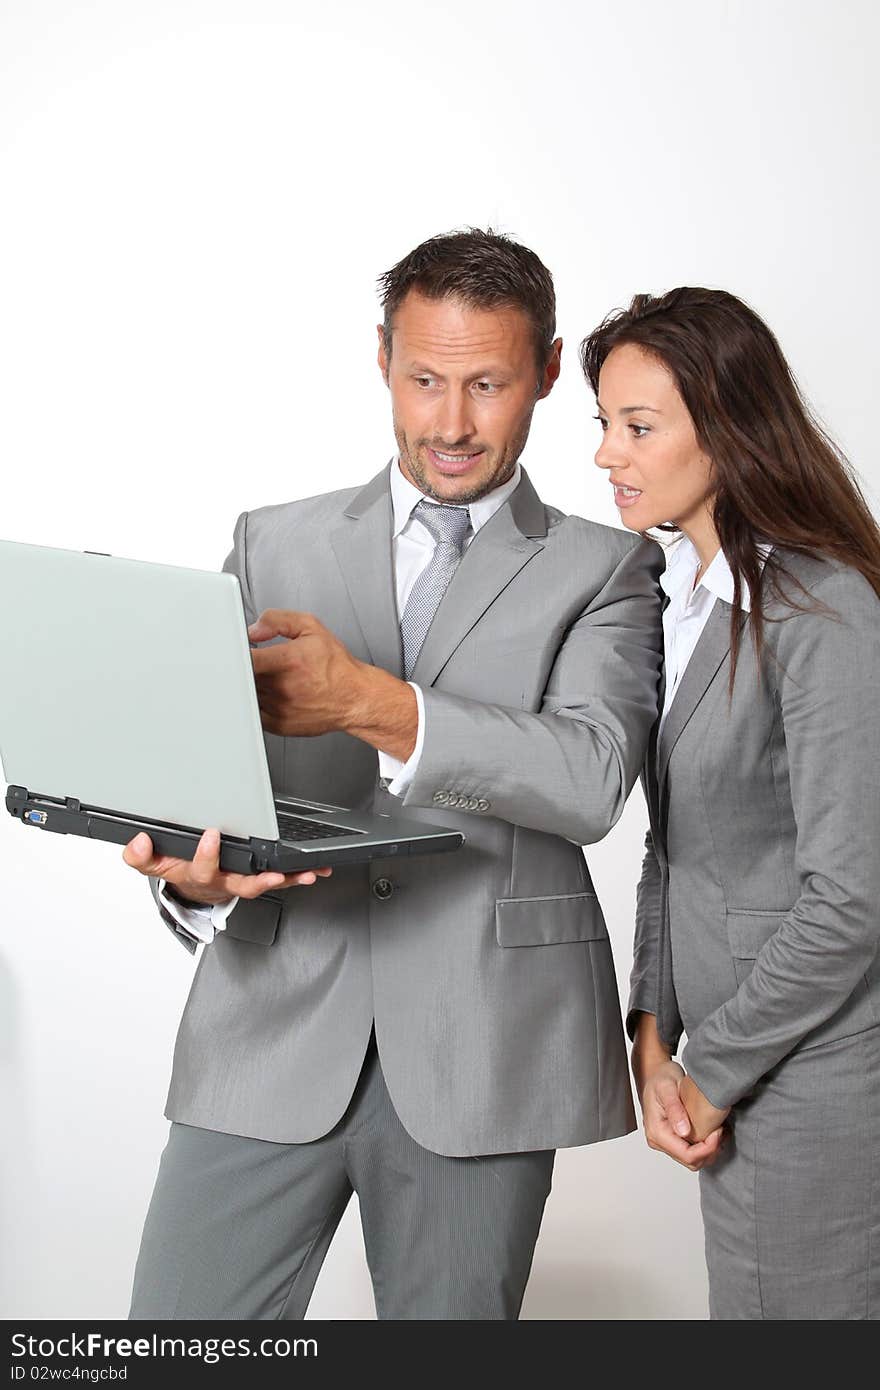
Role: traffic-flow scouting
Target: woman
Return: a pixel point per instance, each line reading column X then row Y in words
column 758, row 911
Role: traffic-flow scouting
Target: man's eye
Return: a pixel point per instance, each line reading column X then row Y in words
column 486, row 388
column 424, row 381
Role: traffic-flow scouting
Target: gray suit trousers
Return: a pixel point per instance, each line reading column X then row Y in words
column 238, row 1228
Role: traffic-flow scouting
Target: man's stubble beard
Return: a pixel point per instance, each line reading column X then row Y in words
column 497, row 478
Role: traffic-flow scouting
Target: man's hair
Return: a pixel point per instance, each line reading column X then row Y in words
column 484, row 270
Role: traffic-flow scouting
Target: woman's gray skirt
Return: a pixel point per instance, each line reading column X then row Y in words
column 792, row 1206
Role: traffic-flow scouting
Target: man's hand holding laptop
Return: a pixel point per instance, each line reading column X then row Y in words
column 201, row 880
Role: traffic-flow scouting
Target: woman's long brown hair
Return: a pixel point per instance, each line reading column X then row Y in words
column 779, row 478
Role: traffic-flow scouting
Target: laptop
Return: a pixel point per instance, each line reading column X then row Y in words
column 128, row 703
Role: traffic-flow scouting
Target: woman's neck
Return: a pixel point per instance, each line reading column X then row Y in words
column 700, row 531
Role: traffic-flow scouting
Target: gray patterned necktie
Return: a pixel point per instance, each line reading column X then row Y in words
column 448, row 525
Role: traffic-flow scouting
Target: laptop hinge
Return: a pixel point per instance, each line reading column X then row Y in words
column 15, row 796
column 261, row 850
column 18, row 796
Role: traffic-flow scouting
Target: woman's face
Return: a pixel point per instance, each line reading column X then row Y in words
column 649, row 446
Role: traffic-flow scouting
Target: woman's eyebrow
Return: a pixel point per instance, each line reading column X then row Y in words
column 631, row 409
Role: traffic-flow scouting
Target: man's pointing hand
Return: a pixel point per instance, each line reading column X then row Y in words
column 311, row 684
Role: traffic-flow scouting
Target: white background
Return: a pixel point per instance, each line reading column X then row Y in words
column 197, row 197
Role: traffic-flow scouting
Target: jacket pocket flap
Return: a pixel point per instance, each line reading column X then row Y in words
column 255, row 920
column 549, row 921
column 748, row 930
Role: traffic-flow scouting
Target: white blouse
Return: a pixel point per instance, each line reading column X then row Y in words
column 688, row 609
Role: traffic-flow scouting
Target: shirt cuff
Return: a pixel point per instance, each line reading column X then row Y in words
column 201, row 920
column 401, row 774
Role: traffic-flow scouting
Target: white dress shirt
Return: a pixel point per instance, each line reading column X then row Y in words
column 412, row 547
column 689, row 607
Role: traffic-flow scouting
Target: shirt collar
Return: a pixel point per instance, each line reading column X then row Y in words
column 681, row 566
column 405, row 497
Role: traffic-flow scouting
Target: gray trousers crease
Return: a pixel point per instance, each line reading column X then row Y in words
column 238, row 1228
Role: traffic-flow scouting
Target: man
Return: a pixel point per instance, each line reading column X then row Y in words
column 424, row 1031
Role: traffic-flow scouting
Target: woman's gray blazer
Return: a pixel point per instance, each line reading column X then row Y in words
column 759, row 904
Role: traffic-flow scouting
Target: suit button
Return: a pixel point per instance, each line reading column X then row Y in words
column 482, row 805
column 473, row 804
column 383, row 888
column 441, row 798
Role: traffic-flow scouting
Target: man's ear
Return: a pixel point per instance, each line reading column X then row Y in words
column 383, row 355
column 550, row 375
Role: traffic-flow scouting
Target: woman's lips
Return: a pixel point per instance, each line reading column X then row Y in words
column 625, row 496
column 453, row 463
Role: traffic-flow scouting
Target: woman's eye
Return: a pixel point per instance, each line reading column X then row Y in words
column 602, row 421
column 639, row 430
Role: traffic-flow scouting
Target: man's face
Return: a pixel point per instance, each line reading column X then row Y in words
column 463, row 384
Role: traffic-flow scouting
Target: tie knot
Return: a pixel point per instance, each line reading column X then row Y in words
column 447, row 524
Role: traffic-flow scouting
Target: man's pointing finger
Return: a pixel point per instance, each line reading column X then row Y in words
column 280, row 622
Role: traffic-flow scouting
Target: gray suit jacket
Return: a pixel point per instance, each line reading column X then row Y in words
column 758, row 916
column 488, row 972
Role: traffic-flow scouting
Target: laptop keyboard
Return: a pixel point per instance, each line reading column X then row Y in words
column 299, row 828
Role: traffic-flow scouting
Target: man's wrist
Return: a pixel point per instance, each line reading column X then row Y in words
column 382, row 710
column 173, row 892
column 356, row 706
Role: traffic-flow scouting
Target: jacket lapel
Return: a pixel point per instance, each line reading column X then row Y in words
column 708, row 655
column 500, row 549
column 362, row 545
